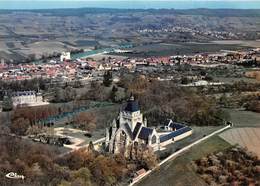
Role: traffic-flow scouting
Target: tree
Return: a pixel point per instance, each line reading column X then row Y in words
column 185, row 80
column 208, row 78
column 19, row 126
column 7, row 103
column 82, row 177
column 64, row 95
column 90, row 146
column 223, row 100
column 86, row 121
column 145, row 157
column 35, row 130
column 113, row 93
column 107, row 78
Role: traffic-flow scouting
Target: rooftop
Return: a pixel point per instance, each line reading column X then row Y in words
column 132, row 105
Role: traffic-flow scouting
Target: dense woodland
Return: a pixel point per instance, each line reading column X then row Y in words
column 42, row 165
column 164, row 100
column 235, row 166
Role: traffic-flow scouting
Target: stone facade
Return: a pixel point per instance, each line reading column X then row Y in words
column 27, row 98
column 129, row 131
column 130, row 128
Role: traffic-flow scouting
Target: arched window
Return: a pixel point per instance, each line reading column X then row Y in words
column 123, row 138
column 153, row 139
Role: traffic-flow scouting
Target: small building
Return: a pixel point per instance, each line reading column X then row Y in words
column 138, row 174
column 65, row 56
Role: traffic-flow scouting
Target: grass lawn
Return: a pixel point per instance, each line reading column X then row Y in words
column 180, row 172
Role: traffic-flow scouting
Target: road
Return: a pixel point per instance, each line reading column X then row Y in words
column 174, row 155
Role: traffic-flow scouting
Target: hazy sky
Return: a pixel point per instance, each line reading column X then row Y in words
column 131, row 0
column 177, row 4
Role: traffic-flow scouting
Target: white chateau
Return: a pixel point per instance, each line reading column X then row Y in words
column 65, row 56
column 27, row 98
column 130, row 128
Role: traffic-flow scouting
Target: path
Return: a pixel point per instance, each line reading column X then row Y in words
column 174, row 155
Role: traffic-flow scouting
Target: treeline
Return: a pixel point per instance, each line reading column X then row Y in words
column 24, row 85
column 103, row 92
column 164, row 100
column 23, row 118
column 234, row 166
column 42, row 165
column 240, row 86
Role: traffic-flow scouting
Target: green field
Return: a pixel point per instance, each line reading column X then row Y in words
column 180, row 171
column 231, row 80
column 241, row 118
column 164, row 49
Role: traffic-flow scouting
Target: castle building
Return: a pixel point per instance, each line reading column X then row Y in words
column 130, row 128
column 27, row 98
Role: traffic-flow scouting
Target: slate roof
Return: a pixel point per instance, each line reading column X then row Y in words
column 174, row 134
column 132, row 105
column 176, row 126
column 136, row 129
column 145, row 132
column 128, row 131
column 23, row 93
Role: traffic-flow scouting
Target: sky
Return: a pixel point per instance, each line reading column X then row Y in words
column 133, row 0
column 129, row 4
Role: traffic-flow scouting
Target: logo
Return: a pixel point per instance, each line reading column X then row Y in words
column 14, row 175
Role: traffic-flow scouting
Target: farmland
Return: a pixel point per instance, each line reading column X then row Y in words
column 180, row 171
column 164, row 49
column 24, row 33
column 242, row 118
column 239, row 42
column 246, row 131
column 245, row 137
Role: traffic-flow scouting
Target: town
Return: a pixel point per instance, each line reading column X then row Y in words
column 88, row 69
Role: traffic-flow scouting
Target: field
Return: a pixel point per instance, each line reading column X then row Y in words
column 85, row 28
column 231, row 80
column 245, row 137
column 241, row 118
column 246, row 131
column 164, row 49
column 239, row 42
column 180, row 171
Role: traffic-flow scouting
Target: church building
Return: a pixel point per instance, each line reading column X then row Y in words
column 130, row 128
